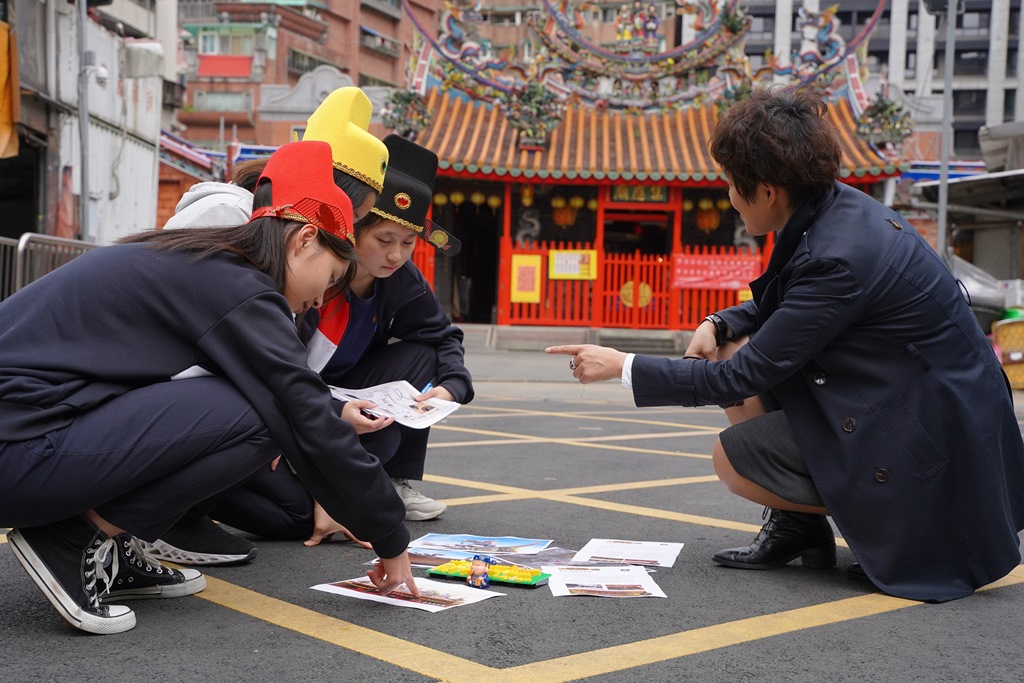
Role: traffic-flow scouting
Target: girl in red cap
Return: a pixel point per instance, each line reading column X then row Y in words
column 145, row 377
column 387, row 326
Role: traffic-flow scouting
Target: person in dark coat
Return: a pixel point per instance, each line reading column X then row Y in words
column 387, row 326
column 858, row 382
column 360, row 162
column 144, row 377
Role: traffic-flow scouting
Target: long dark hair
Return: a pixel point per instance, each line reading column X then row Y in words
column 263, row 195
column 246, row 173
column 365, row 223
column 262, row 242
column 356, row 189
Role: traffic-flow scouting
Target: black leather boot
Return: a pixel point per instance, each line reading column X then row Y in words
column 783, row 538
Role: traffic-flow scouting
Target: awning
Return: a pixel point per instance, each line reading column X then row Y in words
column 473, row 138
column 1002, row 146
column 981, row 198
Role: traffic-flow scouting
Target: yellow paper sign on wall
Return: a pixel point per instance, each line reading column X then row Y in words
column 525, row 285
column 572, row 264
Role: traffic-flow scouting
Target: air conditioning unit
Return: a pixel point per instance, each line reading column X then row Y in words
column 143, row 58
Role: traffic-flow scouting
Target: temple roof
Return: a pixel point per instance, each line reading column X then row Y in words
column 473, row 138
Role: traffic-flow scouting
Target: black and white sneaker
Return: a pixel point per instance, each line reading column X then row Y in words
column 200, row 541
column 142, row 576
column 69, row 562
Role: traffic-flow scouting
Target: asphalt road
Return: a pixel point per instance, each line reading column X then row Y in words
column 537, row 455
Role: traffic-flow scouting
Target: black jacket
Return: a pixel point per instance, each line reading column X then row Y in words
column 895, row 397
column 409, row 311
column 127, row 316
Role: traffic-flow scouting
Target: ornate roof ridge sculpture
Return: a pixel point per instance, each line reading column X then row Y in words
column 564, row 67
column 595, row 146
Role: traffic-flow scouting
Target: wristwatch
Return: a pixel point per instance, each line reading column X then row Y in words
column 723, row 332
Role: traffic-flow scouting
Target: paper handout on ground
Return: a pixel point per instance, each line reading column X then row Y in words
column 646, row 553
column 435, row 596
column 461, row 544
column 430, row 557
column 433, row 557
column 397, row 400
column 433, row 550
column 605, row 582
column 552, row 555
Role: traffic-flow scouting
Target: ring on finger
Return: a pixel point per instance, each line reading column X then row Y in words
column 572, row 363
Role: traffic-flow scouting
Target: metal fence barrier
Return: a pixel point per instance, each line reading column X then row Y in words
column 33, row 256
column 8, row 256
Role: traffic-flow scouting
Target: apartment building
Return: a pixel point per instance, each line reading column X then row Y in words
column 907, row 40
column 90, row 90
column 256, row 70
column 505, row 27
column 911, row 43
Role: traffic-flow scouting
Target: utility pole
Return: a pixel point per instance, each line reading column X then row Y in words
column 83, row 123
column 937, row 7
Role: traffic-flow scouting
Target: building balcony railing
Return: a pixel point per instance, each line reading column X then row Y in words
column 196, row 11
column 300, row 63
column 392, row 8
column 970, row 70
column 379, row 44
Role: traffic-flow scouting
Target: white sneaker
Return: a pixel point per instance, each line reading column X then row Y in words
column 417, row 506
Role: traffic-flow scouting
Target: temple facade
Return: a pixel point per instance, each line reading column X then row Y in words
column 574, row 164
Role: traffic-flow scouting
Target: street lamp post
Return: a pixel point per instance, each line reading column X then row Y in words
column 937, row 7
column 83, row 124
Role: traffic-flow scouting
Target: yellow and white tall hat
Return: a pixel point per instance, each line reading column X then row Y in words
column 343, row 121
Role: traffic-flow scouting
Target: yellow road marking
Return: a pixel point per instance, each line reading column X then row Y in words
column 464, row 444
column 694, row 641
column 453, row 669
column 575, row 401
column 472, row 412
column 423, row 660
column 503, row 494
column 664, row 514
column 586, row 416
column 596, row 439
column 643, row 437
column 568, row 442
column 439, row 665
column 576, row 490
column 585, row 440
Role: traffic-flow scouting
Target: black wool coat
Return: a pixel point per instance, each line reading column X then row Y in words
column 895, row 397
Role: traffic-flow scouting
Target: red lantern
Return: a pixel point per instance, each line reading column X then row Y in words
column 526, row 196
column 708, row 217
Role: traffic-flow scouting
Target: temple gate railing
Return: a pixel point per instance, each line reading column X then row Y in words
column 630, row 290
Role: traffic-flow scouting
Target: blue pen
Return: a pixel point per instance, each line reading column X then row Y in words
column 430, row 385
